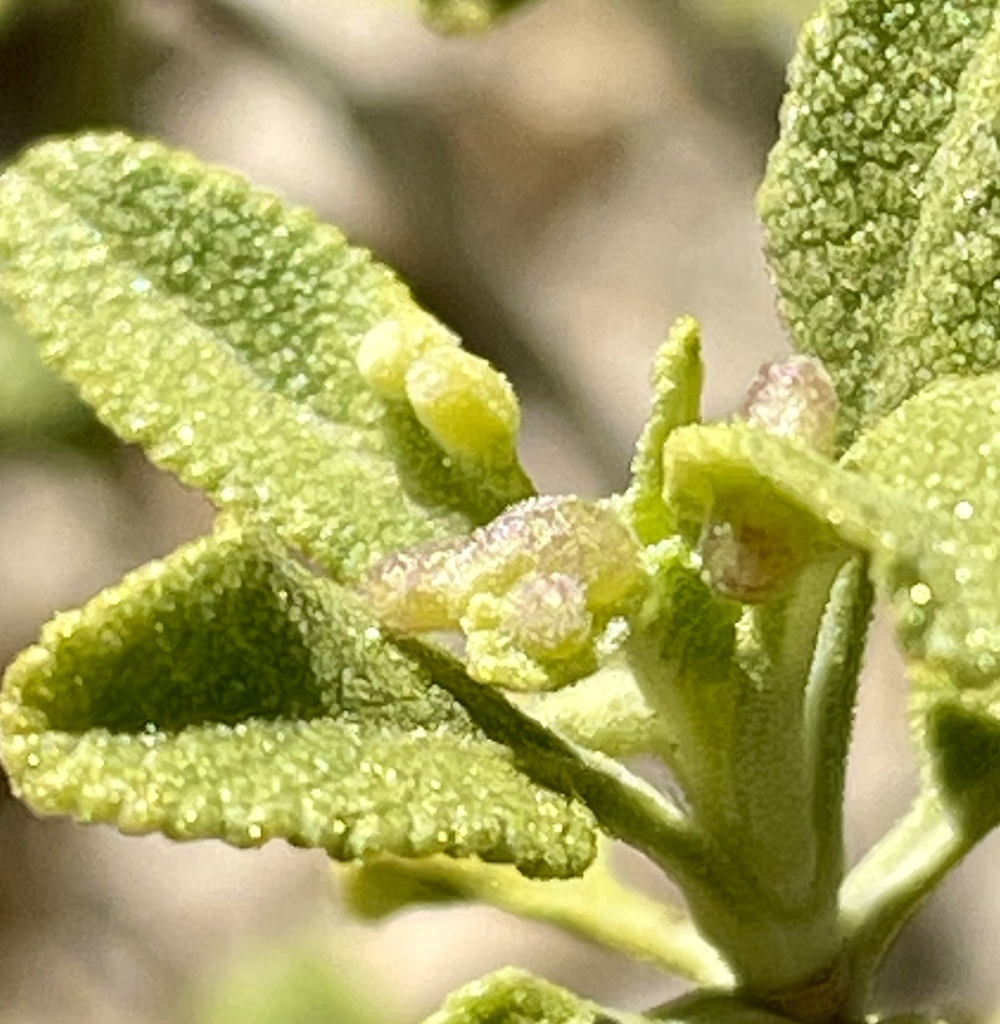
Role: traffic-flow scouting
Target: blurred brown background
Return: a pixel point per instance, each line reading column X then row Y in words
column 558, row 192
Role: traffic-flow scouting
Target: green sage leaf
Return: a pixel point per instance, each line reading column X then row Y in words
column 228, row 693
column 596, row 906
column 220, row 328
column 879, row 195
column 938, row 452
column 940, row 449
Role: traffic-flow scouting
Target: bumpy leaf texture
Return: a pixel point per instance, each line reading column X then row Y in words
column 219, row 328
column 940, row 450
column 881, row 202
column 882, row 210
column 228, row 693
column 514, row 995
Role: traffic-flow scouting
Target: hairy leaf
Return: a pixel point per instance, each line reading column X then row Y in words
column 228, row 693
column 220, row 328
column 880, row 197
column 941, row 449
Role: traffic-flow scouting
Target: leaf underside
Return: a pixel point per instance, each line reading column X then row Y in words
column 228, row 693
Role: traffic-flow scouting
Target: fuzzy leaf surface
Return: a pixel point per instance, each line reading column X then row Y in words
column 218, row 327
column 940, row 449
column 880, row 201
column 228, row 693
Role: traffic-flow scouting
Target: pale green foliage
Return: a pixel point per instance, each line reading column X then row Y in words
column 229, row 693
column 467, row 406
column 723, row 599
column 605, row 711
column 219, row 328
column 595, row 906
column 291, row 985
column 878, row 197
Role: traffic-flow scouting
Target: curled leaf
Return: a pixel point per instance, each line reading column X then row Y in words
column 228, row 693
column 677, row 380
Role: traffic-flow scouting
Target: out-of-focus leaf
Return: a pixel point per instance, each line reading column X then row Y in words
column 228, row 693
column 596, row 906
column 460, row 17
column 219, row 328
column 7, row 8
column 287, row 986
column 714, row 1007
column 513, row 996
column 35, row 405
column 879, row 197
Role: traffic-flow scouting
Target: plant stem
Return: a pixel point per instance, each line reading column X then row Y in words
column 625, row 806
column 773, row 782
column 596, row 906
column 830, row 701
column 783, row 934
column 885, row 890
column 735, row 734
